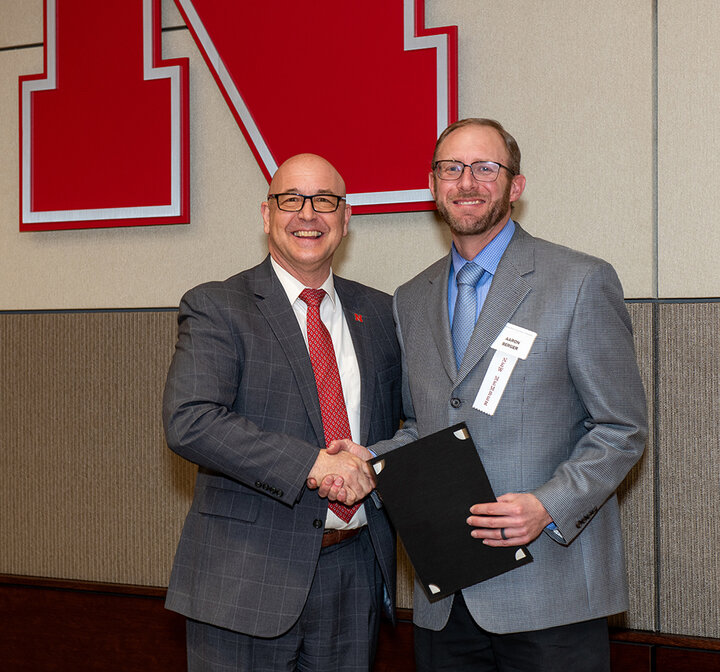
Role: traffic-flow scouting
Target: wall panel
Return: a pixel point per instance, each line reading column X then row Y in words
column 689, row 469
column 21, row 22
column 688, row 147
column 88, row 488
column 636, row 495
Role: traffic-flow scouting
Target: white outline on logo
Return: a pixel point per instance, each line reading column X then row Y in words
column 50, row 82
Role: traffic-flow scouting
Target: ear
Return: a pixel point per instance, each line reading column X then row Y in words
column 265, row 211
column 431, row 183
column 517, row 186
column 346, row 218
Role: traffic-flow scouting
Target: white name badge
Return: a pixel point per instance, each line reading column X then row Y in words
column 512, row 344
column 515, row 341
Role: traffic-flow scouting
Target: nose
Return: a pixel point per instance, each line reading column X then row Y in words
column 467, row 181
column 307, row 212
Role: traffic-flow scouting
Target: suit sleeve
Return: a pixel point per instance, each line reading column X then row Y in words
column 408, row 432
column 200, row 394
column 603, row 367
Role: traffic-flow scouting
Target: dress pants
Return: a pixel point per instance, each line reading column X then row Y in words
column 336, row 632
column 463, row 646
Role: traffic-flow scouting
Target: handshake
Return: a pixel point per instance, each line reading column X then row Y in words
column 341, row 472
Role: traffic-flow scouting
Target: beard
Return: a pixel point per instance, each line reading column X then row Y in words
column 468, row 225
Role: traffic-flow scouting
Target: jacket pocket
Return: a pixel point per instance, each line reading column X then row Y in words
column 229, row 504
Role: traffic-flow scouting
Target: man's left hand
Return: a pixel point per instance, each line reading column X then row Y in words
column 513, row 520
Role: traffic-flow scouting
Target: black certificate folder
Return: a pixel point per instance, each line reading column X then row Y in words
column 428, row 487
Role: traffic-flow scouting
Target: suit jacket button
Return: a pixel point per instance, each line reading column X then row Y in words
column 317, row 523
column 280, row 493
column 455, row 402
column 258, row 484
column 578, row 524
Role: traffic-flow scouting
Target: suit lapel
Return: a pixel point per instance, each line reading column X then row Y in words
column 507, row 292
column 352, row 305
column 437, row 317
column 275, row 307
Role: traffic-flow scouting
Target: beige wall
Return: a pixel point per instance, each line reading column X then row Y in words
column 572, row 80
column 615, row 107
column 688, row 103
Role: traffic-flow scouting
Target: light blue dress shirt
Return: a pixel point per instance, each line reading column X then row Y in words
column 488, row 258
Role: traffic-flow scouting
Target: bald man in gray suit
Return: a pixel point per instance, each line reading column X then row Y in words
column 558, row 424
column 270, row 576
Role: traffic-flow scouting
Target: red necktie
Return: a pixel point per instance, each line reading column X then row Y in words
column 327, row 378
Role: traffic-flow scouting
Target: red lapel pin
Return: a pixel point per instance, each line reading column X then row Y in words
column 358, row 317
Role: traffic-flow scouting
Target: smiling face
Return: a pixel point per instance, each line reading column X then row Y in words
column 304, row 242
column 475, row 211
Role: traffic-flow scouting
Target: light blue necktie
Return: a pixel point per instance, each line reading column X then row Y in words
column 465, row 308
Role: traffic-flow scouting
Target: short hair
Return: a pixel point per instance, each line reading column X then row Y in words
column 510, row 142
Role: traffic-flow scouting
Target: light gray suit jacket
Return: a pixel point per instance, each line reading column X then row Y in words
column 570, row 425
column 241, row 402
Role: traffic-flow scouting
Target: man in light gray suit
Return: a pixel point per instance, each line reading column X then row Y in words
column 555, row 406
column 270, row 577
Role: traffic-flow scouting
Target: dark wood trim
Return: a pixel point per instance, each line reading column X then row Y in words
column 404, row 615
column 82, row 586
column 62, row 624
column 686, row 660
column 59, row 625
column 661, row 639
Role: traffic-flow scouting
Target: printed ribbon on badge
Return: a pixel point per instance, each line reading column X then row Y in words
column 512, row 344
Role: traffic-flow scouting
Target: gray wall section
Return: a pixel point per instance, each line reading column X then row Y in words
column 89, row 490
column 688, row 467
column 637, row 494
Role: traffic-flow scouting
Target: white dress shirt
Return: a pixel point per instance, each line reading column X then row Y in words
column 332, row 316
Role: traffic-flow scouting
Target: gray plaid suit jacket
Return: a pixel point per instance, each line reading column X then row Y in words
column 241, row 402
column 570, row 425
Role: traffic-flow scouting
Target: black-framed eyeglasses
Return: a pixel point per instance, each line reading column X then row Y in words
column 290, row 202
column 482, row 171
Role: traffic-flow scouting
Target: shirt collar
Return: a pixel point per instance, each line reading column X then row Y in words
column 489, row 257
column 293, row 286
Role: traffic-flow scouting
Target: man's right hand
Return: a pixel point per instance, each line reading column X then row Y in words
column 342, row 477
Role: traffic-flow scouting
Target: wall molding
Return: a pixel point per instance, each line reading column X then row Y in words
column 58, row 624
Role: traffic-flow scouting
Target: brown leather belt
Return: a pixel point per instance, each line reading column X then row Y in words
column 332, row 537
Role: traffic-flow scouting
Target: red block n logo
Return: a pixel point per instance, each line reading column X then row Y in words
column 104, row 130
